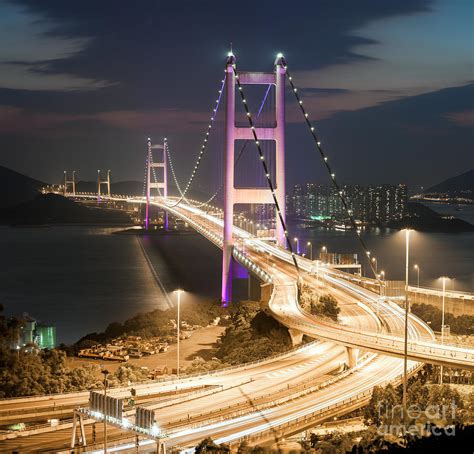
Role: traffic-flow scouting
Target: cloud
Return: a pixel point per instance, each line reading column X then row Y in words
column 28, row 49
column 16, row 120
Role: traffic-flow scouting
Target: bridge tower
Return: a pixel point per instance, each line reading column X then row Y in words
column 72, row 182
column 159, row 185
column 234, row 195
column 101, row 182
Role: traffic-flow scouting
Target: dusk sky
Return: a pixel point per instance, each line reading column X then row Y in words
column 390, row 83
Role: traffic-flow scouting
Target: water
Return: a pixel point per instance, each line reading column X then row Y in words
column 464, row 212
column 82, row 278
column 437, row 254
column 76, row 278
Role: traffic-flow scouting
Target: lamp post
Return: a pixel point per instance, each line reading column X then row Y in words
column 374, row 260
column 310, row 250
column 297, row 241
column 444, row 279
column 324, row 250
column 405, row 356
column 177, row 329
column 105, row 372
column 382, row 273
column 417, row 268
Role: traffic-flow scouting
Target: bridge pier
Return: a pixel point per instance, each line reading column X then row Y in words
column 352, row 356
column 296, row 336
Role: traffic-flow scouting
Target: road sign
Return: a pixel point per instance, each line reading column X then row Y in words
column 106, row 405
column 144, row 418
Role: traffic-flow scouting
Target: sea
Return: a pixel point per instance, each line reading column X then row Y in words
column 81, row 278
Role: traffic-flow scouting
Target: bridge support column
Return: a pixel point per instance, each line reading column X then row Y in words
column 296, row 336
column 280, row 149
column 159, row 185
column 352, row 356
column 228, row 241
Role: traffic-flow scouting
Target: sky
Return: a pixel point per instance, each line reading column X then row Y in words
column 389, row 84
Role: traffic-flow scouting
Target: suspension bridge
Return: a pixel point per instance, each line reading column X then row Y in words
column 373, row 324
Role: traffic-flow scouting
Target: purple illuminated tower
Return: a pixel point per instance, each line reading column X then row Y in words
column 159, row 185
column 234, row 195
column 101, row 182
column 72, row 183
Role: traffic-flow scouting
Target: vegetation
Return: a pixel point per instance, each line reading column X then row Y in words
column 321, row 306
column 156, row 323
column 30, row 371
column 464, row 324
column 252, row 335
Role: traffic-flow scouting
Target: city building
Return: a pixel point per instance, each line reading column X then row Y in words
column 33, row 333
column 369, row 204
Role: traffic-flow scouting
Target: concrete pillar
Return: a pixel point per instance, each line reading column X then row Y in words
column 280, row 149
column 108, row 183
column 226, row 291
column 296, row 336
column 352, row 356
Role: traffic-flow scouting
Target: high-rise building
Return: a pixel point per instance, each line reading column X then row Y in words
column 370, row 204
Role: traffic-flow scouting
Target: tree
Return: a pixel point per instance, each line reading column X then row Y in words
column 208, row 445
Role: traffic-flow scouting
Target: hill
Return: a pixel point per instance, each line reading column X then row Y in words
column 422, row 218
column 461, row 186
column 56, row 209
column 17, row 188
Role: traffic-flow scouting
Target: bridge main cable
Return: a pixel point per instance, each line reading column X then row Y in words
column 203, row 148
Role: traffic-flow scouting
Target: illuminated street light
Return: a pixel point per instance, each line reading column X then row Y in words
column 405, row 356
column 417, row 268
column 374, row 260
column 310, row 250
column 297, row 241
column 179, row 291
column 444, row 279
column 106, row 373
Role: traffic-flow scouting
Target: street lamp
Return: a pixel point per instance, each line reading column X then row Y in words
column 444, row 279
column 374, row 260
column 179, row 291
column 417, row 268
column 405, row 356
column 382, row 273
column 324, row 250
column 310, row 250
column 105, row 372
column 297, row 241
